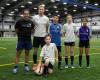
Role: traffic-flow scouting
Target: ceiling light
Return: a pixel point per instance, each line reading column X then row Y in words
column 84, row 7
column 64, row 3
column 96, row 4
column 29, row 2
column 7, row 4
column 2, row 8
column 22, row 6
column 75, row 5
column 86, row 2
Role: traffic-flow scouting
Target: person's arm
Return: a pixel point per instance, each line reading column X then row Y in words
column 32, row 27
column 41, row 56
column 56, row 53
column 17, row 25
column 47, row 26
column 64, row 30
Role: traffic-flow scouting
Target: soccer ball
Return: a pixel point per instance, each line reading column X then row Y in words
column 39, row 70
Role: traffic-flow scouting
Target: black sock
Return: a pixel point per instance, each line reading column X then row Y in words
column 45, row 70
column 87, row 59
column 25, row 64
column 80, row 60
column 72, row 60
column 35, row 58
column 59, row 61
column 16, row 66
column 66, row 60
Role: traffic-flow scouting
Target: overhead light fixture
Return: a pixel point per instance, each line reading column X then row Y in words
column 74, row 10
column 96, row 4
column 16, row 9
column 55, row 6
column 2, row 8
column 35, row 8
column 84, row 7
column 7, row 4
column 12, row 12
column 86, row 2
column 46, row 10
column 52, row 0
column 75, row 5
column 14, row 0
column 64, row 3
column 29, row 2
column 22, row 6
column 56, row 11
column 49, row 14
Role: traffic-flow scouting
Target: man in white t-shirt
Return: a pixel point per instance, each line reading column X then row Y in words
column 41, row 28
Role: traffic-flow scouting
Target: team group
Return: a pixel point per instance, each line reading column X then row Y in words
column 48, row 36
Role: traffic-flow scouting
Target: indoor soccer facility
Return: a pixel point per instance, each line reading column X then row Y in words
column 13, row 11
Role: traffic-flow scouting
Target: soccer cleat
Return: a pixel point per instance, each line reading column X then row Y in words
column 15, row 70
column 26, row 68
column 66, row 66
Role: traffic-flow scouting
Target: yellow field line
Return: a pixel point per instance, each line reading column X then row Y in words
column 32, row 61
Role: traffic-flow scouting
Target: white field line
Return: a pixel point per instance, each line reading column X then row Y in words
column 3, row 48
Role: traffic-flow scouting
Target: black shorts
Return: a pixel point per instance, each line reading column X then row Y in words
column 49, row 65
column 37, row 41
column 59, row 48
column 69, row 43
column 84, row 43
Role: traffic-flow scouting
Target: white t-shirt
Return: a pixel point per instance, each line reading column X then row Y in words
column 41, row 23
column 69, row 30
column 49, row 52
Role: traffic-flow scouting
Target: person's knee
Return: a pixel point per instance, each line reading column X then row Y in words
column 47, row 62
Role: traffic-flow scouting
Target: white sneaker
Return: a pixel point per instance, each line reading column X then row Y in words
column 66, row 66
column 88, row 67
column 72, row 67
column 15, row 70
column 26, row 68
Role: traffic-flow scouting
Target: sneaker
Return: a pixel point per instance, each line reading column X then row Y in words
column 66, row 66
column 15, row 70
column 88, row 67
column 26, row 68
column 72, row 67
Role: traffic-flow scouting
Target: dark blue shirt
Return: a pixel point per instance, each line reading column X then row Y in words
column 55, row 31
column 84, row 33
column 24, row 27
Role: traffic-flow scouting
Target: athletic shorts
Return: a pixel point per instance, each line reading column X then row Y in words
column 38, row 41
column 49, row 65
column 59, row 48
column 27, row 45
column 84, row 43
column 69, row 43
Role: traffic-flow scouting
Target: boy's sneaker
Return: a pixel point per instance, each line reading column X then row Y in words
column 66, row 66
column 26, row 68
column 15, row 70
